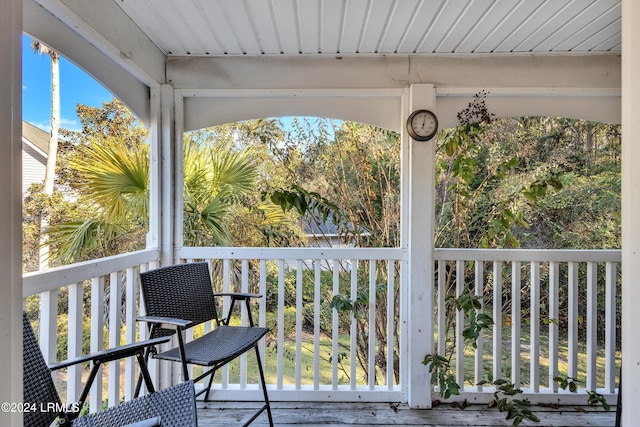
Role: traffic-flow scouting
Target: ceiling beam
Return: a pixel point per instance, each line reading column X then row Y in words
column 307, row 72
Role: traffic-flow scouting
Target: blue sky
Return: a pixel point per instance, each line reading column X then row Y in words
column 76, row 87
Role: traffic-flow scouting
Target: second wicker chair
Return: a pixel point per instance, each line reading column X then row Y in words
column 179, row 297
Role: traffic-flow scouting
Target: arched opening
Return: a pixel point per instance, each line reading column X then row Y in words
column 304, row 183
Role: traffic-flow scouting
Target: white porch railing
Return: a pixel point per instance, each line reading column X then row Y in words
column 356, row 361
column 85, row 285
column 315, row 353
column 554, row 313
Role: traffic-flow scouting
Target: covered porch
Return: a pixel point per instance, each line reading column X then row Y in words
column 367, row 61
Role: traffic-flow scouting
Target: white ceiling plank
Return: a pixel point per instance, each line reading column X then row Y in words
column 384, row 33
column 552, row 26
column 419, row 28
column 259, row 14
column 185, row 20
column 161, row 28
column 608, row 25
column 485, row 26
column 376, row 25
column 508, row 27
column 613, row 42
column 309, row 25
column 235, row 14
column 529, row 20
column 468, row 20
column 354, row 24
column 602, row 20
column 582, row 25
column 399, row 25
column 220, row 26
column 286, row 21
column 195, row 13
column 443, row 23
column 332, row 19
column 259, row 28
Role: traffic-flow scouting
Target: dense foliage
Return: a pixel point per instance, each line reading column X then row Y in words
column 493, row 182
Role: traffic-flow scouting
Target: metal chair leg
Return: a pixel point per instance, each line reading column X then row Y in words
column 264, row 387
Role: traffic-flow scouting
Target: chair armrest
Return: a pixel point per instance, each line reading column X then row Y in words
column 110, row 354
column 238, row 296
column 171, row 321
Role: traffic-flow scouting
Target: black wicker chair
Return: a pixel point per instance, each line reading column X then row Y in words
column 179, row 297
column 172, row 407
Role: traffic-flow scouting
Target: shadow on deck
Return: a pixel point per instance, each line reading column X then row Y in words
column 384, row 414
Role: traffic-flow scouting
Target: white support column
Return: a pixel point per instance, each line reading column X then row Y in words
column 167, row 216
column 10, row 207
column 419, row 240
column 167, row 114
column 177, row 167
column 154, row 238
column 630, row 208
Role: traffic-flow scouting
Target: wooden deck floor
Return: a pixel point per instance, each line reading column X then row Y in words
column 366, row 414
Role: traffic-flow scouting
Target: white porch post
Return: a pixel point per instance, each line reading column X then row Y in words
column 167, row 112
column 630, row 209
column 420, row 244
column 166, row 216
column 10, row 207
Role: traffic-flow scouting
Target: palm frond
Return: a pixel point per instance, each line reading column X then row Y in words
column 116, row 177
column 72, row 240
column 204, row 224
column 233, row 172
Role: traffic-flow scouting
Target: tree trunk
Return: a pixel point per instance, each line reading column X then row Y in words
column 50, row 172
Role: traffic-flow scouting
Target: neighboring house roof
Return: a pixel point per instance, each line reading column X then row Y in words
column 35, row 136
column 35, row 144
column 314, row 226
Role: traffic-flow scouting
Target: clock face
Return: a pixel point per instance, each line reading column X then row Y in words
column 423, row 124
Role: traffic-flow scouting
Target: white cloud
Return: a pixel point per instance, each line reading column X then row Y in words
column 70, row 124
column 44, row 126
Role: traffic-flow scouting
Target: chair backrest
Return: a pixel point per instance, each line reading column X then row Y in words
column 181, row 291
column 39, row 390
column 173, row 407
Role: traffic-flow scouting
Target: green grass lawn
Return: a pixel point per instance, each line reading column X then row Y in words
column 525, row 355
column 307, row 363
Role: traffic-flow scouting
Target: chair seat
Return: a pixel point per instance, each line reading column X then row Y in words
column 218, row 346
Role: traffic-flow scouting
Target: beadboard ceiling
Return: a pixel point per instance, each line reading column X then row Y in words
column 389, row 27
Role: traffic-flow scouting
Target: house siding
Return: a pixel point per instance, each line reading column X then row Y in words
column 33, row 167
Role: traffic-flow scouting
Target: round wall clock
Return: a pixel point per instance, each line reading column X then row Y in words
column 422, row 125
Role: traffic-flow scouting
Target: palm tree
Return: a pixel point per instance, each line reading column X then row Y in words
column 213, row 179
column 115, row 193
column 52, row 151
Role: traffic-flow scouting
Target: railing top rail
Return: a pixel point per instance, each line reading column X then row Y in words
column 529, row 255
column 292, row 253
column 48, row 280
column 41, row 281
